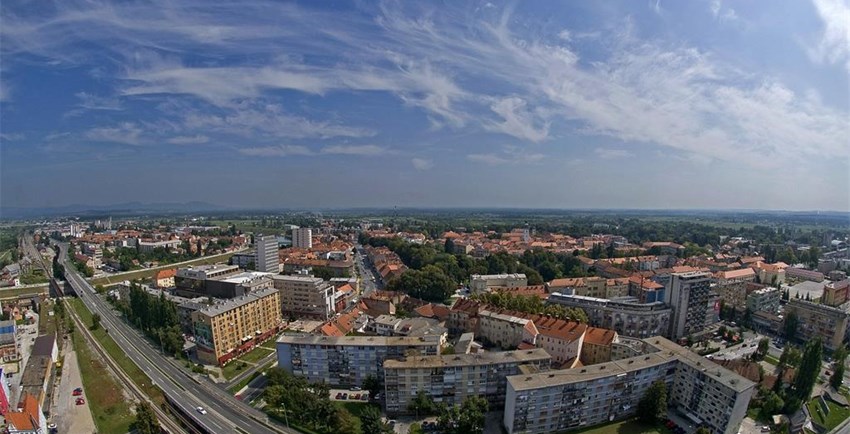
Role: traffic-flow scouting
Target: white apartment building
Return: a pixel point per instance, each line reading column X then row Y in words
column 764, row 300
column 305, row 296
column 576, row 398
column 302, row 238
column 348, row 360
column 267, row 260
column 449, row 379
column 482, row 282
column 688, row 295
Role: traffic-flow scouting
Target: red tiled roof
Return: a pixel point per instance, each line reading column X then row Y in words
column 165, row 274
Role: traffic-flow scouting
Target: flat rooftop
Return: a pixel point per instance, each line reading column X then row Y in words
column 375, row 341
column 476, row 359
column 243, row 277
column 668, row 353
column 233, row 303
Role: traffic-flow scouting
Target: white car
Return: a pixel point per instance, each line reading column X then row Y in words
column 201, row 410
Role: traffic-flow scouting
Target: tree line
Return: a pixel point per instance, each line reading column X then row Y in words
column 155, row 316
column 531, row 304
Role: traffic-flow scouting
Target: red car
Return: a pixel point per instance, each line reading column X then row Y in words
column 77, row 392
column 81, row 401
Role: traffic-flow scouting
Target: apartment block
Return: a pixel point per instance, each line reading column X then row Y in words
column 227, row 329
column 347, row 360
column 482, row 282
column 303, row 296
column 732, row 286
column 626, row 316
column 819, row 321
column 267, row 259
column 688, row 295
column 590, row 287
column 570, row 399
column 449, row 379
column 302, row 238
column 836, row 293
column 764, row 300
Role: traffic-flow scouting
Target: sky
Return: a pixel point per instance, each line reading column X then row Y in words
column 267, row 104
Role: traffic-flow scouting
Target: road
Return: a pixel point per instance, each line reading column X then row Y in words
column 225, row 414
column 369, row 278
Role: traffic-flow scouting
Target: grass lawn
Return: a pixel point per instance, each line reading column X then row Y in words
column 110, row 410
column 255, row 355
column 141, row 274
column 47, row 323
column 119, row 356
column 836, row 414
column 631, row 426
column 233, row 369
column 17, row 292
column 772, row 360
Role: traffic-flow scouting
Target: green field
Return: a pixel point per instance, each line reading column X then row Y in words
column 255, row 355
column 836, row 415
column 143, row 274
column 17, row 292
column 110, row 410
column 772, row 360
column 631, row 426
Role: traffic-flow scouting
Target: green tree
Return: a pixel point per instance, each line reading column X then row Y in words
column 652, row 407
column 790, row 356
column 344, row 422
column 372, row 384
column 422, row 404
column 371, row 423
column 146, row 422
column 837, row 377
column 95, row 321
column 762, row 348
column 466, row 418
column 449, row 246
column 791, row 325
column 809, row 369
column 702, row 430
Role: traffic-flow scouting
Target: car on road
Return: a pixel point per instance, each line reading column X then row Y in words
column 81, row 401
column 201, row 410
column 355, row 388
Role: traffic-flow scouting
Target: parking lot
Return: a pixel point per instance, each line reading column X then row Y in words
column 349, row 395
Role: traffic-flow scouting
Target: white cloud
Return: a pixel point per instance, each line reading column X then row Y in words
column 354, row 150
column 95, row 102
column 127, row 133
column 518, row 121
column 610, row 154
column 509, row 155
column 834, row 44
column 422, row 163
column 277, row 151
column 188, row 140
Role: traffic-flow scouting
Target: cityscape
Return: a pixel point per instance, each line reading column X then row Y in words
column 390, row 217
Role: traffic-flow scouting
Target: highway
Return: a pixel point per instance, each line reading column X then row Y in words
column 225, row 414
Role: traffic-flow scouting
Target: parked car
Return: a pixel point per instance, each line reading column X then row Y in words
column 365, row 397
column 357, row 397
column 81, row 401
column 339, row 395
column 344, row 396
column 77, row 392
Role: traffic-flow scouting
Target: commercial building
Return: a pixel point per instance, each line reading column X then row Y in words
column 482, row 282
column 568, row 399
column 191, row 281
column 347, row 360
column 225, row 330
column 219, row 281
column 267, row 260
column 449, row 379
column 688, row 295
column 303, row 296
column 764, row 300
column 302, row 238
column 819, row 321
column 626, row 315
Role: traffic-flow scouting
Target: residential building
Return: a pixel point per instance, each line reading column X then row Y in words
column 504, row 329
column 149, row 246
column 245, row 260
column 819, row 321
column 688, row 295
column 302, row 238
column 303, row 296
column 227, row 329
column 732, row 286
column 165, row 278
column 770, row 274
column 267, row 260
column 569, row 399
column 836, row 293
column 9, row 341
column 347, row 360
column 590, row 287
column 449, row 379
column 803, row 274
column 764, row 300
column 28, row 419
column 626, row 315
column 482, row 282
column 597, row 345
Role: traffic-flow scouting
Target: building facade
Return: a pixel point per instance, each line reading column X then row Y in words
column 626, row 316
column 302, row 238
column 227, row 329
column 688, row 295
column 569, row 399
column 267, row 260
column 481, row 282
column 303, row 296
column 347, row 360
column 764, row 300
column 819, row 321
column 449, row 379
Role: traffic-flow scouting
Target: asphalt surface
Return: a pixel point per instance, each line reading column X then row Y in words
column 225, row 414
column 369, row 278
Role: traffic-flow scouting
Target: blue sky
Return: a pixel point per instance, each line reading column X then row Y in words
column 630, row 104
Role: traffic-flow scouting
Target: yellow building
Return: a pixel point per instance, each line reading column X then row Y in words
column 227, row 329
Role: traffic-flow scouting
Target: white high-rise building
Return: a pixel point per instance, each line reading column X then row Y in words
column 687, row 294
column 302, row 238
column 268, row 260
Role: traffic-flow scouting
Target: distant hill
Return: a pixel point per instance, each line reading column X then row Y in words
column 122, row 209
